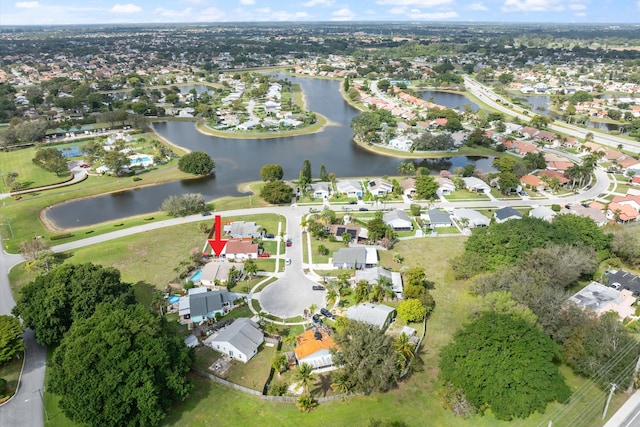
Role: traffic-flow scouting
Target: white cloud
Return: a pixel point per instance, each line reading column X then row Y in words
column 416, row 14
column 416, row 3
column 577, row 6
column 125, row 8
column 478, row 7
column 210, row 14
column 27, row 4
column 286, row 16
column 312, row 3
column 344, row 14
column 247, row 2
column 532, row 6
column 398, row 11
column 580, row 14
column 169, row 13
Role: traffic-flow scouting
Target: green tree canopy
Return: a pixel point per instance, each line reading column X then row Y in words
column 186, row 204
column 50, row 159
column 123, row 366
column 197, row 163
column 276, row 192
column 271, row 172
column 11, row 342
column 505, row 364
column 367, row 357
column 426, row 187
column 411, row 310
column 53, row 301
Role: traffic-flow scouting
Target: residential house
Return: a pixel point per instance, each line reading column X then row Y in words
column 628, row 164
column 377, row 315
column 408, row 186
column 532, row 182
column 373, row 276
column 242, row 230
column 476, row 184
column 595, row 211
column 355, row 230
column 380, row 187
column 313, row 347
column 402, row 143
column 218, row 272
column 205, row 305
column 529, row 132
column 624, row 208
column 349, row 188
column 240, row 249
column 398, row 220
column 542, row 212
column 320, row 190
column 445, row 186
column 505, row 214
column 602, row 299
column 551, row 174
column 473, row 218
column 357, row 258
column 240, row 340
column 438, row 218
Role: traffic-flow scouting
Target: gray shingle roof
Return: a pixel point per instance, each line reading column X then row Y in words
column 506, row 213
column 206, row 303
column 350, row 256
column 373, row 314
column 243, row 334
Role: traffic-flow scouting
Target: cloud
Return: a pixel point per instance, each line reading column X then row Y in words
column 312, row 3
column 478, row 7
column 168, row 13
column 344, row 14
column 247, row 2
column 27, row 4
column 577, row 6
column 532, row 6
column 211, row 14
column 125, row 8
column 416, row 14
column 416, row 3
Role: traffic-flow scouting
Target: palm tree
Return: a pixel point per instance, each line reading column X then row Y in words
column 250, row 267
column 278, row 362
column 158, row 302
column 405, row 350
column 341, row 383
column 306, row 403
column 312, row 309
column 406, row 168
column 305, row 377
column 386, row 283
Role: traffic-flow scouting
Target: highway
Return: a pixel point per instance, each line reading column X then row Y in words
column 489, row 97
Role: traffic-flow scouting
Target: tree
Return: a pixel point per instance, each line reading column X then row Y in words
column 140, row 360
column 305, row 172
column 426, row 187
column 324, row 176
column 53, row 301
column 115, row 161
column 406, row 168
column 51, row 159
column 404, row 349
column 11, row 342
column 197, row 163
column 276, row 192
column 306, row 403
column 305, row 377
column 508, row 182
column 367, row 357
column 504, row 363
column 539, row 121
column 411, row 310
column 279, row 361
column 250, row 267
column 186, row 204
column 30, row 249
column 271, row 172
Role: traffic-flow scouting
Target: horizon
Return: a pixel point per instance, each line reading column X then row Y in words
column 202, row 12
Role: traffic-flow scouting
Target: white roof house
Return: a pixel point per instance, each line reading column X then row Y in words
column 542, row 212
column 601, row 299
column 372, row 275
column 476, row 184
column 240, row 340
column 398, row 220
column 350, row 188
column 475, row 218
column 358, row 257
column 378, row 315
column 380, row 187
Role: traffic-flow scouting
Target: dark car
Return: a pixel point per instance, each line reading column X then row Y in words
column 316, row 319
column 269, row 236
column 206, row 213
column 352, row 202
column 326, row 313
column 318, row 288
column 363, row 209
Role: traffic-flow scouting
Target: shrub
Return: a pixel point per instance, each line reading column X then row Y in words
column 61, row 236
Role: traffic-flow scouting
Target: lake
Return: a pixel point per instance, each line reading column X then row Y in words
column 240, row 160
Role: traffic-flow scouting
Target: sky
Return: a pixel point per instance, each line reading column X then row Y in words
column 70, row 12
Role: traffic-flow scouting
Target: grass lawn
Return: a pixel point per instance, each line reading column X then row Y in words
column 151, row 256
column 29, row 175
column 465, row 195
column 322, row 259
column 10, row 371
column 255, row 372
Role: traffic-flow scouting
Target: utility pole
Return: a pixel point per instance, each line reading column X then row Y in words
column 604, row 413
column 635, row 376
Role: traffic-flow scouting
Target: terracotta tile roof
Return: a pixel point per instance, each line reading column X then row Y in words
column 625, row 212
column 307, row 344
column 531, row 180
column 240, row 246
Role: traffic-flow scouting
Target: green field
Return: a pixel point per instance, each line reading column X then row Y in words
column 29, row 175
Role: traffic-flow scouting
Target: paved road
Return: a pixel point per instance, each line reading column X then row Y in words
column 489, row 97
column 25, row 408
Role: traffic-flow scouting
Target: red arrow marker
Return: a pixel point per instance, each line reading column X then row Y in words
column 217, row 244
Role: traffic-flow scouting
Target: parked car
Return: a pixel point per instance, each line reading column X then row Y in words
column 318, row 288
column 206, row 213
column 326, row 313
column 269, row 236
column 352, row 202
column 363, row 209
column 287, row 261
column 316, row 319
column 264, row 255
column 289, row 243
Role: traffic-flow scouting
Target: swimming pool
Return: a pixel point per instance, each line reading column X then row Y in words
column 195, row 277
column 140, row 160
